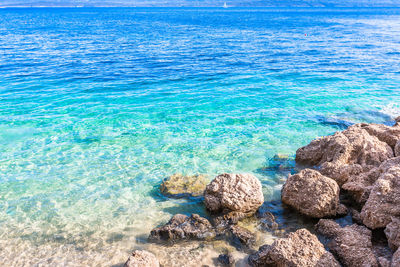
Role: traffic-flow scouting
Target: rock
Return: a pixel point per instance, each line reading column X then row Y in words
column 392, row 232
column 268, row 221
column 387, row 134
column 242, row 236
column 312, row 194
column 226, row 259
column 384, row 200
column 234, row 192
column 223, row 221
column 383, row 262
column 397, row 149
column 354, row 146
column 182, row 227
column 300, row 248
column 396, row 259
column 352, row 244
column 142, row 258
column 360, row 186
column 356, row 216
column 178, row 185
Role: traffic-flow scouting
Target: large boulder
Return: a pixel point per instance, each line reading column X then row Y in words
column 352, row 244
column 142, row 258
column 300, row 248
column 384, row 200
column 312, row 194
column 354, row 146
column 359, row 186
column 179, row 185
column 392, row 232
column 182, row 227
column 234, row 192
column 387, row 134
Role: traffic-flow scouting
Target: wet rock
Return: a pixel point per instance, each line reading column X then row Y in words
column 300, row 248
column 142, row 258
column 182, row 227
column 354, row 146
column 234, row 192
column 352, row 244
column 226, row 259
column 280, row 162
column 178, row 186
column 360, row 186
column 396, row 259
column 392, row 232
column 241, row 236
column 384, row 200
column 312, row 194
column 268, row 221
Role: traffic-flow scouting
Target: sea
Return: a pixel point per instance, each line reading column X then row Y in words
column 99, row 105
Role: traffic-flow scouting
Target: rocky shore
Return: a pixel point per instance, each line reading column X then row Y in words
column 347, row 185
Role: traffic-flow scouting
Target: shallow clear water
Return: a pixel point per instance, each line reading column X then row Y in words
column 97, row 106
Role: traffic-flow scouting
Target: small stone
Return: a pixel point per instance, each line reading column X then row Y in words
column 226, row 259
column 142, row 258
column 182, row 227
column 242, row 236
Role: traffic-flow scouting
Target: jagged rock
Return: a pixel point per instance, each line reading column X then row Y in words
column 300, row 248
column 384, row 200
column 352, row 244
column 360, row 186
column 178, row 185
column 387, row 134
column 142, row 258
column 242, row 236
column 224, row 220
column 354, row 147
column 397, row 149
column 268, row 221
column 356, row 216
column 396, row 259
column 226, row 259
column 182, row 227
column 392, row 232
column 311, row 193
column 234, row 192
column 383, row 262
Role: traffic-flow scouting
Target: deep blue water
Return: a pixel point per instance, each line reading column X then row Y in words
column 98, row 105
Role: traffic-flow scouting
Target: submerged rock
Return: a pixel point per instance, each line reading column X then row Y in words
column 142, row 258
column 312, row 194
column 392, row 232
column 241, row 236
column 223, row 221
column 226, row 259
column 178, row 185
column 300, row 248
column 352, row 244
column 182, row 227
column 384, row 200
column 234, row 192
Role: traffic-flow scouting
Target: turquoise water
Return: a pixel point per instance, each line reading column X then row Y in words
column 97, row 106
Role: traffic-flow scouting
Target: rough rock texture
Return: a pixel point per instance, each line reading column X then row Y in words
column 182, row 227
column 226, row 259
column 178, row 185
column 397, row 149
column 223, row 221
column 355, row 147
column 360, row 186
column 384, row 200
column 242, row 236
column 352, row 244
column 311, row 193
column 387, row 134
column 392, row 232
column 234, row 192
column 396, row 259
column 300, row 248
column 142, row 258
